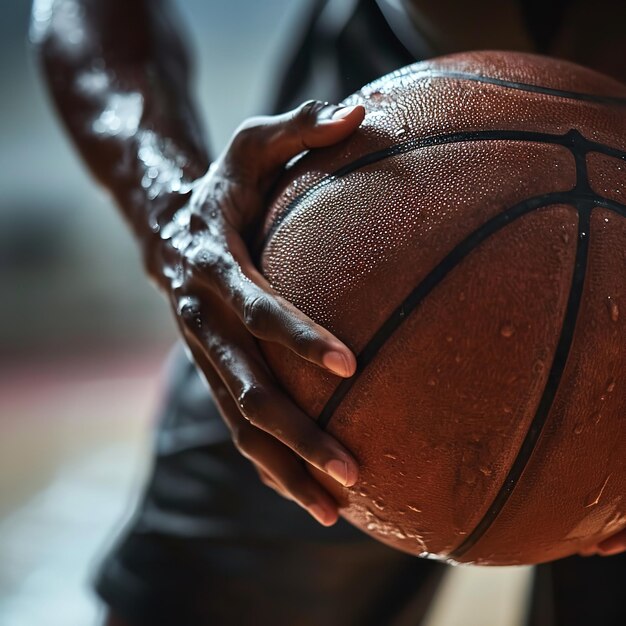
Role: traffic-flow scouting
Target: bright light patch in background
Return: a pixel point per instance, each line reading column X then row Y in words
column 42, row 14
column 66, row 20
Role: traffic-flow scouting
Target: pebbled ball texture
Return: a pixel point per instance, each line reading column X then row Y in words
column 469, row 244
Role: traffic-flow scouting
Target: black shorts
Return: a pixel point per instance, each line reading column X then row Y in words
column 211, row 545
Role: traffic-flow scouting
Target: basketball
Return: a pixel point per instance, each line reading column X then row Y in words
column 468, row 243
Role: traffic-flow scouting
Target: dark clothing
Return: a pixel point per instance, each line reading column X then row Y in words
column 211, row 545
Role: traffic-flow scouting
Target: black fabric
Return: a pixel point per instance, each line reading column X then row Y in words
column 156, row 580
column 579, row 591
column 211, row 545
column 543, row 19
column 334, row 60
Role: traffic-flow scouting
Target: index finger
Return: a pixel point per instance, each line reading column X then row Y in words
column 268, row 316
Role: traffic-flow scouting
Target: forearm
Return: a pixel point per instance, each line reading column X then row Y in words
column 119, row 77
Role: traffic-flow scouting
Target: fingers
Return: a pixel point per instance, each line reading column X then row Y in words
column 262, row 145
column 278, row 468
column 223, row 303
column 265, row 314
column 221, row 261
column 290, row 476
column 269, row 410
column 272, row 318
column 235, row 356
column 589, row 550
column 613, row 545
column 616, row 544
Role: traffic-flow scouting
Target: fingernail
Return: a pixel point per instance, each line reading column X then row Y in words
column 330, row 114
column 336, row 363
column 342, row 112
column 340, row 471
column 320, row 514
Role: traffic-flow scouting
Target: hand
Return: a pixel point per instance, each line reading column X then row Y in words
column 615, row 544
column 223, row 305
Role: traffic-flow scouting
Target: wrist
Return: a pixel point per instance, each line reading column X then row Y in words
column 163, row 232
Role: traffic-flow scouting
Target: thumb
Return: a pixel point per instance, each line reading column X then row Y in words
column 262, row 145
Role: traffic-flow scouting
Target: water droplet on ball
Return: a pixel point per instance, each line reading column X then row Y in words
column 507, row 331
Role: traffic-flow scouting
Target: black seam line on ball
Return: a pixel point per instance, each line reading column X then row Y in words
column 616, row 207
column 550, row 91
column 481, row 78
column 552, row 385
column 572, row 140
column 584, row 203
column 559, row 360
column 446, row 265
column 429, row 282
column 581, row 197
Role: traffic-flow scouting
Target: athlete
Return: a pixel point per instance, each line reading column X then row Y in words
column 209, row 544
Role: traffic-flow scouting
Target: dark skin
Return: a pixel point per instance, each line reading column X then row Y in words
column 119, row 75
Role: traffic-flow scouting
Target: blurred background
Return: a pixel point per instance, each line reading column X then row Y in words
column 83, row 334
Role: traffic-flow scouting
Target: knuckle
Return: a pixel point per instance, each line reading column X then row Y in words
column 190, row 312
column 256, row 313
column 210, row 263
column 304, row 119
column 303, row 448
column 307, row 112
column 301, row 338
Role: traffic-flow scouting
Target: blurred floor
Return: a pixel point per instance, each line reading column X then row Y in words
column 481, row 596
column 74, row 443
column 73, row 452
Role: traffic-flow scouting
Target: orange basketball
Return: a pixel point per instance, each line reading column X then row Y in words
column 469, row 244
